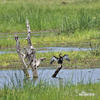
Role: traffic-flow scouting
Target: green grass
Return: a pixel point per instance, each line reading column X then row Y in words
column 43, row 90
column 46, row 15
column 77, row 22
column 79, row 59
column 46, row 92
column 80, row 39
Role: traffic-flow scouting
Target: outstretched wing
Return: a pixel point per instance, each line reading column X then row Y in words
column 53, row 59
column 66, row 57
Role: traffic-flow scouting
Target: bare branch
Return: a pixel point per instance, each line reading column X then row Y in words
column 17, row 44
column 56, row 72
column 21, row 56
column 29, row 54
column 28, row 31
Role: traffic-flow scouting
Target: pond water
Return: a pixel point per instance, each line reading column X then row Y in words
column 65, row 76
column 53, row 49
column 59, row 49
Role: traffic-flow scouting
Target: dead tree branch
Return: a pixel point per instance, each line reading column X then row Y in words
column 56, row 72
column 21, row 56
column 29, row 54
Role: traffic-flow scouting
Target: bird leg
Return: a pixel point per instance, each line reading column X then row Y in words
column 56, row 72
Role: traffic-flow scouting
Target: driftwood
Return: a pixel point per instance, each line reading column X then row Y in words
column 56, row 72
column 28, row 55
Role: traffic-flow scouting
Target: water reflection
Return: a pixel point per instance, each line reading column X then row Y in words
column 52, row 49
column 59, row 49
column 66, row 76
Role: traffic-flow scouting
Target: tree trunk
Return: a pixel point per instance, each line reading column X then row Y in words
column 56, row 72
column 21, row 56
column 32, row 49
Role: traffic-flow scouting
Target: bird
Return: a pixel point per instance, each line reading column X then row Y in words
column 59, row 59
column 38, row 61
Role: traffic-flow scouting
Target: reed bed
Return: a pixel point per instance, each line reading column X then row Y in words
column 79, row 39
column 45, row 15
column 79, row 59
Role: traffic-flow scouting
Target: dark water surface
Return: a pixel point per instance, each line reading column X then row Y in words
column 65, row 76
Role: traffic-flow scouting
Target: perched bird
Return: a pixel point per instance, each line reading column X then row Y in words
column 37, row 62
column 59, row 59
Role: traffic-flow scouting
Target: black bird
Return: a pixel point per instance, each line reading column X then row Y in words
column 59, row 59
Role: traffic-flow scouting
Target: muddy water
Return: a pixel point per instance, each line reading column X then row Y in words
column 65, row 76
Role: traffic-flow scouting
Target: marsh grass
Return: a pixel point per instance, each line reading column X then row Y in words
column 44, row 15
column 79, row 38
column 95, row 48
column 49, row 92
column 79, row 59
column 76, row 22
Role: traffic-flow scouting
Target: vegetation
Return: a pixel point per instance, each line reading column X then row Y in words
column 80, row 39
column 67, row 23
column 73, row 22
column 79, row 59
column 48, row 92
column 66, row 16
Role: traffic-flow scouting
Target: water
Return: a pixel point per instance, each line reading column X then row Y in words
column 59, row 49
column 7, row 52
column 53, row 49
column 65, row 76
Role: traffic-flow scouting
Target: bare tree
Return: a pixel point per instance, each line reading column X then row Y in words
column 21, row 56
column 28, row 55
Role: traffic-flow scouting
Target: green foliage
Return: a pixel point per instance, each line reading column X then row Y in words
column 47, row 92
column 79, row 38
column 95, row 48
column 45, row 15
column 79, row 59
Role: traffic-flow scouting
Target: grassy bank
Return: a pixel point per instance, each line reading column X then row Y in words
column 76, row 22
column 79, row 59
column 46, row 92
column 79, row 39
column 66, row 16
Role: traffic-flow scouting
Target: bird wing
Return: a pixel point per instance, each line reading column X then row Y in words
column 66, row 57
column 53, row 59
